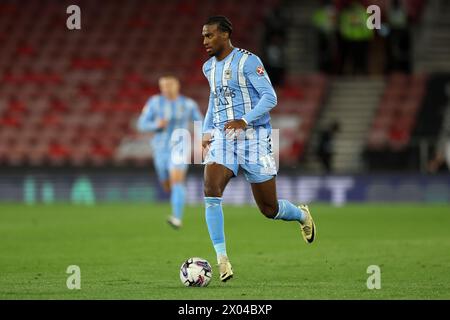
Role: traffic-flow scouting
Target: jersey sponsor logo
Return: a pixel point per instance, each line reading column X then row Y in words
column 260, row 70
column 227, row 74
column 222, row 94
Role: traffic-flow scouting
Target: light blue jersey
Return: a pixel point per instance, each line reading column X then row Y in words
column 179, row 114
column 240, row 89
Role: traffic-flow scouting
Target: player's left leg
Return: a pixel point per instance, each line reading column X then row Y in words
column 260, row 170
column 265, row 194
column 177, row 196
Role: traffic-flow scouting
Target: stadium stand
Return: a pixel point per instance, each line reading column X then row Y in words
column 394, row 122
column 71, row 97
column 397, row 111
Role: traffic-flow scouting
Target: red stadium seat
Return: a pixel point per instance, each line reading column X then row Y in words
column 395, row 118
column 68, row 85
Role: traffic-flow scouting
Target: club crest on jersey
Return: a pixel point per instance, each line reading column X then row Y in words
column 260, row 70
column 227, row 74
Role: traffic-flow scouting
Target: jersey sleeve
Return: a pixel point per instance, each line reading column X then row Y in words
column 147, row 120
column 204, row 67
column 208, row 124
column 257, row 76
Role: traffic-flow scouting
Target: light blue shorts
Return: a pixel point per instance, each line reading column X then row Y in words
column 166, row 161
column 251, row 151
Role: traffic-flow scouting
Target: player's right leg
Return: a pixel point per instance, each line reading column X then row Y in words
column 162, row 170
column 220, row 167
column 216, row 178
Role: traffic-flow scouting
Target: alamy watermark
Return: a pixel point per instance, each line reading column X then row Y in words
column 73, row 22
column 374, row 280
column 374, row 20
column 74, row 280
column 253, row 146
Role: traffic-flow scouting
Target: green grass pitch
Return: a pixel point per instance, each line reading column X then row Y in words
column 130, row 252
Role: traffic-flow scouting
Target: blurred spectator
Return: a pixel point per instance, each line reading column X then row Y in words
column 354, row 37
column 398, row 40
column 325, row 149
column 274, row 59
column 276, row 24
column 324, row 21
column 399, row 133
column 441, row 157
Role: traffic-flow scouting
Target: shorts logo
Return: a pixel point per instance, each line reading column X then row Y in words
column 260, row 70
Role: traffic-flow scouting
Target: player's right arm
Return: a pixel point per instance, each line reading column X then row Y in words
column 208, row 125
column 148, row 121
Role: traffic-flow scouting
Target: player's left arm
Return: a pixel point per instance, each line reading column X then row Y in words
column 257, row 77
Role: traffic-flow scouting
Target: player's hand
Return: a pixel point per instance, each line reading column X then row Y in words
column 206, row 140
column 233, row 127
column 238, row 124
column 162, row 123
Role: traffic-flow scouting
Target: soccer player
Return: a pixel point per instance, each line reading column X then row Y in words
column 240, row 100
column 162, row 114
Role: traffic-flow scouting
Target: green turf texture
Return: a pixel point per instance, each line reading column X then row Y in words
column 130, row 252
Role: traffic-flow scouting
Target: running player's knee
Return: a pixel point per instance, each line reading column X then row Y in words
column 212, row 191
column 269, row 211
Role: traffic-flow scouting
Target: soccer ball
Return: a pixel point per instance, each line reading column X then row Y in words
column 195, row 272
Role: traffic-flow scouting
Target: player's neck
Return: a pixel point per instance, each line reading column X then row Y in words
column 226, row 51
column 171, row 98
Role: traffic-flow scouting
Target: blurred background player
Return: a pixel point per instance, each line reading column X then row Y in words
column 163, row 114
column 441, row 160
column 241, row 98
column 326, row 147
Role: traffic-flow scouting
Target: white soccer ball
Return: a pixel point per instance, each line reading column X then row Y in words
column 195, row 272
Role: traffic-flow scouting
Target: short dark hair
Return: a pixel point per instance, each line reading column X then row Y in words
column 222, row 22
column 168, row 75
